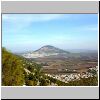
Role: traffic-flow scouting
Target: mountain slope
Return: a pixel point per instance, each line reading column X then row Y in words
column 45, row 51
column 50, row 49
column 12, row 69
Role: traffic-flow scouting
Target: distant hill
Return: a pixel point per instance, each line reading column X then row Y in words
column 45, row 51
column 50, row 49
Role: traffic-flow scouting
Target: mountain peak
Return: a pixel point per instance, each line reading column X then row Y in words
column 45, row 51
column 48, row 46
column 50, row 49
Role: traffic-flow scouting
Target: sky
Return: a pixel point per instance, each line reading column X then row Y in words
column 29, row 32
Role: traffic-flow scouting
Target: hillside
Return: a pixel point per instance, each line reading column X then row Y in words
column 12, row 69
column 20, row 71
column 46, row 51
column 50, row 49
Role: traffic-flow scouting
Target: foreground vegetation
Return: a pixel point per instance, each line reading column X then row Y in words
column 14, row 73
column 12, row 69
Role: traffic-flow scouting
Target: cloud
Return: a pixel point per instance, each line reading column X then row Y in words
column 86, row 28
column 30, row 17
column 26, row 31
column 15, row 22
column 93, row 28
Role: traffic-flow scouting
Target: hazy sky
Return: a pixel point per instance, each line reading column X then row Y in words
column 23, row 32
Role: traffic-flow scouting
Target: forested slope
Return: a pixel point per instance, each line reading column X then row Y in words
column 12, row 69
